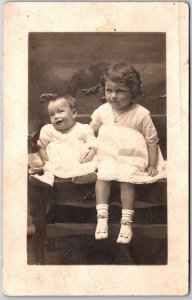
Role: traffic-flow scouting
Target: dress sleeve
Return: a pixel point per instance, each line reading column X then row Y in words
column 44, row 137
column 96, row 120
column 90, row 138
column 149, row 131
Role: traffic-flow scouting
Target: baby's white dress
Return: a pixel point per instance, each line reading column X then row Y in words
column 122, row 144
column 65, row 150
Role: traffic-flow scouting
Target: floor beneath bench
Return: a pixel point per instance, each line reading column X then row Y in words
column 148, row 246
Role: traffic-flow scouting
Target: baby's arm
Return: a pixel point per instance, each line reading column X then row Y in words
column 91, row 142
column 90, row 137
column 43, row 141
column 89, row 156
column 43, row 154
column 153, row 156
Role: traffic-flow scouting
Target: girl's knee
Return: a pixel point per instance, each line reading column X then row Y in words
column 126, row 186
column 103, row 183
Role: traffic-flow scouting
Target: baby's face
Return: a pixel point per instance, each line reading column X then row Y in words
column 118, row 95
column 62, row 117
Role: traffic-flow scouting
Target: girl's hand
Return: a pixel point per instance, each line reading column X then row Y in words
column 152, row 171
column 89, row 157
column 43, row 155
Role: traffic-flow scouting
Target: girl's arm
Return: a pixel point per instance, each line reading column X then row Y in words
column 151, row 137
column 96, row 121
column 153, row 156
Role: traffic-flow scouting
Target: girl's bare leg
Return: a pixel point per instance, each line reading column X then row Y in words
column 103, row 190
column 127, row 195
column 127, row 200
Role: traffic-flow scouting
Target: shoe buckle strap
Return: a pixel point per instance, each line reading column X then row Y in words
column 124, row 222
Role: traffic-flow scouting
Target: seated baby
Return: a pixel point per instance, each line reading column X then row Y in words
column 67, row 148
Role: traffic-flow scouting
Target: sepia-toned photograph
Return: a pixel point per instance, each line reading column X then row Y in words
column 97, row 191
column 95, row 149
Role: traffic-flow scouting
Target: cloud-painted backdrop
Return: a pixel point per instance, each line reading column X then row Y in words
column 68, row 62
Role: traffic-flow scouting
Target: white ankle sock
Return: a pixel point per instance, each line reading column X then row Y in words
column 102, row 209
column 127, row 216
column 102, row 221
column 125, row 233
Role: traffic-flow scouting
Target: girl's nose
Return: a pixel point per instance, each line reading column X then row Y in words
column 114, row 96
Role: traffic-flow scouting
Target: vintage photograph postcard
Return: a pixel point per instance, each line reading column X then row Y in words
column 95, row 149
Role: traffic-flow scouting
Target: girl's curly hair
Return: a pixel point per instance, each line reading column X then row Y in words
column 48, row 97
column 120, row 72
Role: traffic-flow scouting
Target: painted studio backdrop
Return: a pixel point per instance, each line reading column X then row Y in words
column 68, row 62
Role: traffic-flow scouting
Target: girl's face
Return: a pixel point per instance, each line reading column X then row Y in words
column 62, row 117
column 118, row 95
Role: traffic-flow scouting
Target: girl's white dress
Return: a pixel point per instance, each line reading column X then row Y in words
column 65, row 150
column 122, row 144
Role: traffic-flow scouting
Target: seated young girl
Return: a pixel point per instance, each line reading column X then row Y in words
column 66, row 147
column 128, row 150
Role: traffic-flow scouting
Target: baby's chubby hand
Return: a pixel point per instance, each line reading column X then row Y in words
column 152, row 171
column 89, row 156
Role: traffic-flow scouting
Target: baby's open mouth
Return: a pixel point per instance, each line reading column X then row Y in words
column 59, row 122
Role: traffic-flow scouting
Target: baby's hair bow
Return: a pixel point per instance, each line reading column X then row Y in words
column 47, row 97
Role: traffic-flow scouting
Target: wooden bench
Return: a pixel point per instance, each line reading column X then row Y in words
column 67, row 194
